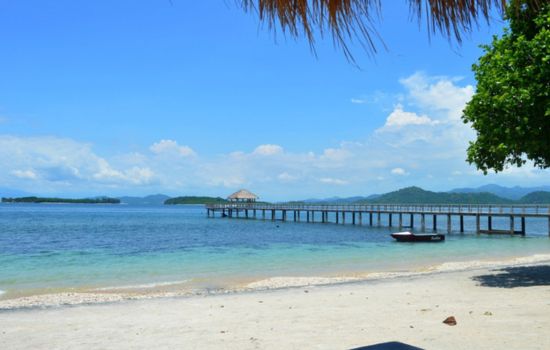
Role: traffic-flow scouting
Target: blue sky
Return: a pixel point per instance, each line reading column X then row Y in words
column 195, row 97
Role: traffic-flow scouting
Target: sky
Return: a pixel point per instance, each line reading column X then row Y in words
column 199, row 98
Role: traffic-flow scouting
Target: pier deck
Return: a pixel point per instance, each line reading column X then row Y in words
column 356, row 214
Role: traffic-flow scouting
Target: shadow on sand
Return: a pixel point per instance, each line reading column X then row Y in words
column 512, row 277
column 393, row 345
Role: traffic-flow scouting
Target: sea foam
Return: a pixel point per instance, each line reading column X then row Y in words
column 142, row 286
column 454, row 266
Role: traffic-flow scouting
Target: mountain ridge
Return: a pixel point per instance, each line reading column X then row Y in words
column 515, row 192
column 417, row 195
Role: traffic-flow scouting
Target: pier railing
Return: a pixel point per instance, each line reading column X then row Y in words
column 518, row 209
column 356, row 212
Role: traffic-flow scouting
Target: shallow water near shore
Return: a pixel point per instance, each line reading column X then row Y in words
column 112, row 248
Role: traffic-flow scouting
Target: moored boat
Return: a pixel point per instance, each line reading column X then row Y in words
column 414, row 237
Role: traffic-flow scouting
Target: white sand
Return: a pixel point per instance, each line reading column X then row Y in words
column 408, row 309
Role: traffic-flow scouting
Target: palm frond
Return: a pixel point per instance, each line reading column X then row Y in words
column 346, row 20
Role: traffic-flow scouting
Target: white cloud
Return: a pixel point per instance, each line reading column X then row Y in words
column 228, row 181
column 59, row 162
column 332, row 181
column 268, row 150
column 139, row 175
column 171, row 147
column 335, row 154
column 399, row 118
column 438, row 93
column 25, row 174
column 105, row 172
column 286, row 177
column 377, row 97
column 399, row 171
column 421, row 142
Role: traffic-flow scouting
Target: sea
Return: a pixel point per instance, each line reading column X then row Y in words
column 59, row 248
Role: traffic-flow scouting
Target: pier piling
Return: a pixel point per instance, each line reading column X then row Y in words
column 423, row 222
column 340, row 212
column 400, row 221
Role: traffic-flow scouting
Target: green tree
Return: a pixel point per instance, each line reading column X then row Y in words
column 510, row 110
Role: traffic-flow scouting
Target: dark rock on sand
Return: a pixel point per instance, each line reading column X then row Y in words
column 451, row 321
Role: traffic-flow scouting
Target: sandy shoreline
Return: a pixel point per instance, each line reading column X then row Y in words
column 506, row 307
column 177, row 289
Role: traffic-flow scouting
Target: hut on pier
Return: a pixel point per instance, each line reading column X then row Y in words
column 243, row 196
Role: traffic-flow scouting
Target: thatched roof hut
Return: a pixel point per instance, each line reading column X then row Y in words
column 357, row 19
column 243, row 196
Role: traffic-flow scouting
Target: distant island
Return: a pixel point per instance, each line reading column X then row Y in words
column 488, row 194
column 98, row 200
column 154, row 199
column 194, row 200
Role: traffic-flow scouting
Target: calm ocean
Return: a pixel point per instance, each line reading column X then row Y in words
column 58, row 247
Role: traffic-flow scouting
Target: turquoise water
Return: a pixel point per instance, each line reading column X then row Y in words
column 45, row 248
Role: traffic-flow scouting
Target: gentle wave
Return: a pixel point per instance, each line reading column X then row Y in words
column 142, row 286
column 66, row 298
column 456, row 266
column 2, row 292
column 473, row 264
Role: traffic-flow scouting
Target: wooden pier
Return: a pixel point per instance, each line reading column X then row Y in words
column 367, row 214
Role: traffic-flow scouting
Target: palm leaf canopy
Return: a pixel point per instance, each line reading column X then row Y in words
column 346, row 19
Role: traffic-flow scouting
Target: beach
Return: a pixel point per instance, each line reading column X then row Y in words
column 495, row 308
column 174, row 175
column 81, row 277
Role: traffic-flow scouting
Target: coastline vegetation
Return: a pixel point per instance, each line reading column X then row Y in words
column 194, row 200
column 408, row 195
column 32, row 199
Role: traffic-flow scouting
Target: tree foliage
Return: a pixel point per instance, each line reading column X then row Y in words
column 98, row 200
column 195, row 200
column 510, row 110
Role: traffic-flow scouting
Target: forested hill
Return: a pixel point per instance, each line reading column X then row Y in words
column 416, row 195
column 154, row 199
column 538, row 197
column 195, row 200
column 98, row 200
